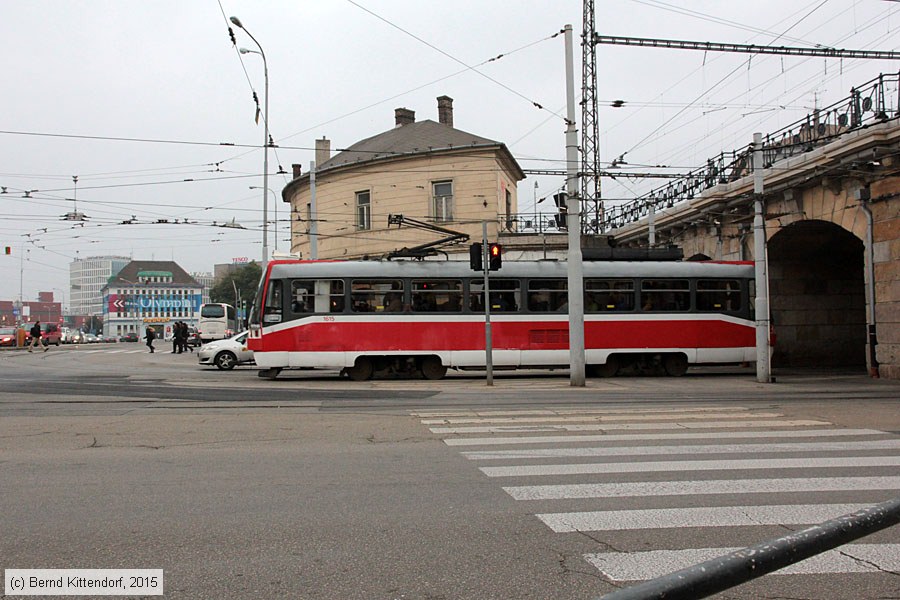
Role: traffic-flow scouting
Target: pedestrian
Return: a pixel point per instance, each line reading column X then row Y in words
column 185, row 334
column 36, row 337
column 179, row 337
column 176, row 344
column 150, row 335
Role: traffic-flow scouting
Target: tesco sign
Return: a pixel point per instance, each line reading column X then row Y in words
column 240, row 260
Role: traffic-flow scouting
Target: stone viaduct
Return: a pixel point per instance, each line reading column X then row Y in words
column 832, row 219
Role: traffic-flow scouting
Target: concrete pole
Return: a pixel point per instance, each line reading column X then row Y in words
column 313, row 218
column 575, row 268
column 265, row 162
column 763, row 372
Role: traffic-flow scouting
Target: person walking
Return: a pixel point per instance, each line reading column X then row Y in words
column 184, row 337
column 150, row 335
column 176, row 343
column 36, row 337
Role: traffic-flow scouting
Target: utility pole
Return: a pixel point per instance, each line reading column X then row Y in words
column 763, row 374
column 575, row 268
column 313, row 218
column 590, row 129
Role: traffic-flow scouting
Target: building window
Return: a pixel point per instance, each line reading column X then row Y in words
column 363, row 210
column 442, row 200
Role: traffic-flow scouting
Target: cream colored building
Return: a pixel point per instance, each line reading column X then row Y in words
column 425, row 170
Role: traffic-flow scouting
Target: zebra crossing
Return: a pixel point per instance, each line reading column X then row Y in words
column 701, row 473
column 141, row 350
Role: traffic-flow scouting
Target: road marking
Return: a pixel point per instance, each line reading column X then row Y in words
column 714, row 516
column 628, row 426
column 851, row 558
column 688, row 488
column 601, row 418
column 762, row 448
column 670, row 466
column 627, row 437
column 573, row 411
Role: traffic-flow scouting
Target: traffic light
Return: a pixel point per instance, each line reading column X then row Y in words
column 475, row 258
column 9, row 250
column 495, row 256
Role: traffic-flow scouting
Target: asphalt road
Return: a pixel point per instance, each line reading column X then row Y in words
column 312, row 486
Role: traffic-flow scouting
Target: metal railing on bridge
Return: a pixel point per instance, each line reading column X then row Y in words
column 875, row 101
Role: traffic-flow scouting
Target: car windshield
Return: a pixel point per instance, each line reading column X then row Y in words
column 7, row 331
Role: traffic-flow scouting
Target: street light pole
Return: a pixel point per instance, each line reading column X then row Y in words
column 265, row 250
column 275, row 212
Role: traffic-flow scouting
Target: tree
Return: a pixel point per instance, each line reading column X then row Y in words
column 245, row 279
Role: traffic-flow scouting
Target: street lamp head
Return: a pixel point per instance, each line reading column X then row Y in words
column 237, row 22
column 247, row 51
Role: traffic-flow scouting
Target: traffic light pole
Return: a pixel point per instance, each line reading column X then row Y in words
column 488, row 341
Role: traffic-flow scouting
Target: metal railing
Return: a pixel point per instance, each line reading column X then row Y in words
column 875, row 101
column 713, row 576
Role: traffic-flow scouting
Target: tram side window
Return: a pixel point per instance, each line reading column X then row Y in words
column 437, row 295
column 718, row 295
column 272, row 309
column 665, row 295
column 506, row 295
column 370, row 295
column 548, row 295
column 321, row 296
column 605, row 295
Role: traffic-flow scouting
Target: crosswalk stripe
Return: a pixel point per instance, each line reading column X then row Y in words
column 572, row 411
column 670, row 466
column 688, row 488
column 892, row 444
column 628, row 426
column 713, row 516
column 601, row 418
column 630, row 437
column 851, row 558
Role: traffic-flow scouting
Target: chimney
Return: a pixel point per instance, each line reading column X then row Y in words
column 323, row 150
column 298, row 169
column 445, row 110
column 404, row 116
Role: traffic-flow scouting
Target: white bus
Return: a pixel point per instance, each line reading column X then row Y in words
column 217, row 322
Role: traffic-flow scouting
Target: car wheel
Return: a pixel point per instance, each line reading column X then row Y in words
column 225, row 360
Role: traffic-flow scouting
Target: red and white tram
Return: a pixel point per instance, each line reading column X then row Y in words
column 371, row 316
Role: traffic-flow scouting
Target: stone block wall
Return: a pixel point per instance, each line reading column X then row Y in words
column 885, row 206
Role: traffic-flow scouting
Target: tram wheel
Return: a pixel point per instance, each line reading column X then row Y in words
column 361, row 370
column 609, row 368
column 269, row 373
column 675, row 365
column 433, row 368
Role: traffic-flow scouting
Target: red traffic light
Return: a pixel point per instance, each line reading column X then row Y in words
column 495, row 254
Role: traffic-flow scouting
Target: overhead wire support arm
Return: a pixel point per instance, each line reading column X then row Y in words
column 745, row 48
column 428, row 248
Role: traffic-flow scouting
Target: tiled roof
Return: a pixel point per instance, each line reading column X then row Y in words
column 413, row 138
column 130, row 272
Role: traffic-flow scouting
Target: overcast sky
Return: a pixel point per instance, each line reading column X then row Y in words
column 134, row 98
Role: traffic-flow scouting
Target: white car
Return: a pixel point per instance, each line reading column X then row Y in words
column 227, row 353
